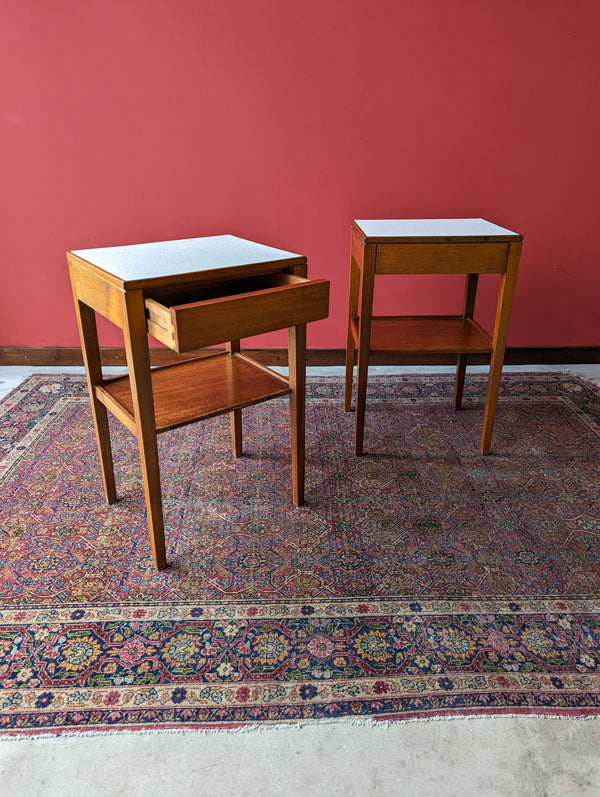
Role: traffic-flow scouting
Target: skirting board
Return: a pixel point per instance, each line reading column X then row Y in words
column 34, row 356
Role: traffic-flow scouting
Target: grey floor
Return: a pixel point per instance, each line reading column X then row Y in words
column 530, row 756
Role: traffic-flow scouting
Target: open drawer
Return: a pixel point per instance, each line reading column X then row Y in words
column 206, row 316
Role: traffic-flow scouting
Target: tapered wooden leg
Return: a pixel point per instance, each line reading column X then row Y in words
column 350, row 343
column 349, row 372
column 468, row 310
column 297, row 377
column 506, row 294
column 138, row 361
column 86, row 320
column 461, row 367
column 491, row 401
column 362, row 369
column 364, row 344
column 235, row 417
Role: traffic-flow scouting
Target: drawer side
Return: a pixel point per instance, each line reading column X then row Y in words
column 159, row 322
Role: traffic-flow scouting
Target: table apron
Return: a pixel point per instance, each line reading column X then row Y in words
column 98, row 294
column 442, row 258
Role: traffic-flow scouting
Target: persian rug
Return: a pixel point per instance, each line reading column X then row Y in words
column 420, row 580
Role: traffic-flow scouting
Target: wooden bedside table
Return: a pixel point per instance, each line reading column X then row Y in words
column 429, row 246
column 190, row 294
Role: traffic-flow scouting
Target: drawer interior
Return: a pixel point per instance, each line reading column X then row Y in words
column 229, row 289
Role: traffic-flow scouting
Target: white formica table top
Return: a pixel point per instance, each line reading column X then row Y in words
column 187, row 256
column 434, row 230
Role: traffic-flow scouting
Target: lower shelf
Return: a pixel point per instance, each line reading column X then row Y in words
column 195, row 390
column 427, row 334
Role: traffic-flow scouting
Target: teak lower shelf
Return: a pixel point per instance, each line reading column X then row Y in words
column 196, row 390
column 427, row 335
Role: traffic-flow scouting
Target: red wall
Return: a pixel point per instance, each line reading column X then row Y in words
column 136, row 120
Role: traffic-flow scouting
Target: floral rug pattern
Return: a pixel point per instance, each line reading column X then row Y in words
column 421, row 579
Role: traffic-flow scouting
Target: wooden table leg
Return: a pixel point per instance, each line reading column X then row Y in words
column 364, row 343
column 88, row 332
column 297, row 379
column 235, row 417
column 461, row 365
column 350, row 343
column 506, row 294
column 138, row 361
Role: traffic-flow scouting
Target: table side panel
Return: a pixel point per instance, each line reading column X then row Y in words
column 442, row 258
column 357, row 247
column 97, row 293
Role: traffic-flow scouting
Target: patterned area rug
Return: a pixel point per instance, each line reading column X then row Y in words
column 421, row 580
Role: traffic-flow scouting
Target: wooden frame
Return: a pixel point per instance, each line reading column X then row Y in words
column 191, row 294
column 428, row 246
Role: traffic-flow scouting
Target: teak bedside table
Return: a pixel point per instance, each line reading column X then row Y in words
column 190, row 294
column 429, row 246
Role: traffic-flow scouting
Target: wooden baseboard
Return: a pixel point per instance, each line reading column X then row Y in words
column 34, row 356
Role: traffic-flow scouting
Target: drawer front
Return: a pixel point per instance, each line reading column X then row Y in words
column 194, row 325
column 442, row 258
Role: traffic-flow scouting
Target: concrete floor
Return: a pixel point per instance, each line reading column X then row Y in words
column 496, row 756
column 472, row 757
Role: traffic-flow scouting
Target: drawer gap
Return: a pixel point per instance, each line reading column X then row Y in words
column 228, row 289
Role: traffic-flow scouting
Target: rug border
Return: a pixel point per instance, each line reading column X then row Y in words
column 588, row 604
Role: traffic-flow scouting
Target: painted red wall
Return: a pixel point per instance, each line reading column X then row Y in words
column 136, row 120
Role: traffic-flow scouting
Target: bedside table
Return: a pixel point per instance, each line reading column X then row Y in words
column 429, row 246
column 190, row 294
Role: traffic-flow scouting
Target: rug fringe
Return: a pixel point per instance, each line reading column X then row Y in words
column 366, row 722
